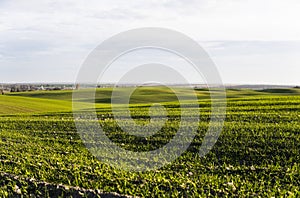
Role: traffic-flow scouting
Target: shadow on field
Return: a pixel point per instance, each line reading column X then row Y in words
column 279, row 91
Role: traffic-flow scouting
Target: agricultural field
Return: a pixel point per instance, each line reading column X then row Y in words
column 257, row 153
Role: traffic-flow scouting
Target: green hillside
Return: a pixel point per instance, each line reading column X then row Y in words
column 18, row 104
column 57, row 101
column 103, row 94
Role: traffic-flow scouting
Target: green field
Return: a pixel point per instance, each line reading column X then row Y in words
column 257, row 153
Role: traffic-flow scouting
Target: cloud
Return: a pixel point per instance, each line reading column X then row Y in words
column 96, row 20
column 253, row 62
column 239, row 48
column 51, row 32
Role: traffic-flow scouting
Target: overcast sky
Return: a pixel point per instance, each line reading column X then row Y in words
column 251, row 41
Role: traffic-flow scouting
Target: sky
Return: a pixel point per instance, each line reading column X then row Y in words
column 250, row 41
